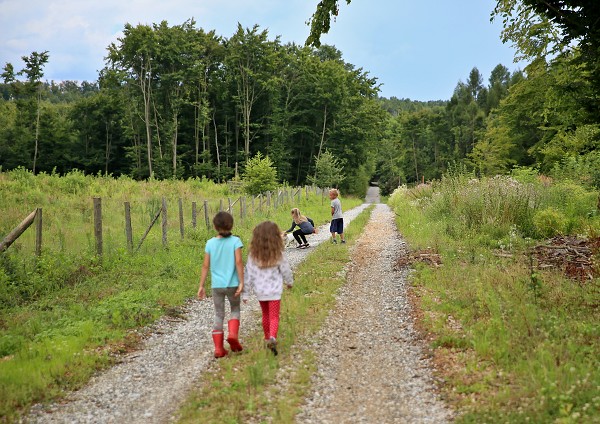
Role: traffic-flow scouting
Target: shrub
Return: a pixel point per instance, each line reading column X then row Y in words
column 329, row 171
column 260, row 175
column 584, row 169
column 549, row 222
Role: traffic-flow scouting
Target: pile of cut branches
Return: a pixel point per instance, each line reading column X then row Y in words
column 576, row 257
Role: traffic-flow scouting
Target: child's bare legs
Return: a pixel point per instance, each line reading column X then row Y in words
column 337, row 227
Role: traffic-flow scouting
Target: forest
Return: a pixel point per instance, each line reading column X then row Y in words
column 180, row 102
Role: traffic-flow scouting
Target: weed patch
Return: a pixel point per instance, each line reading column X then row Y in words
column 513, row 342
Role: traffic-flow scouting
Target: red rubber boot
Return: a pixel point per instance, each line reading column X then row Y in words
column 220, row 351
column 232, row 338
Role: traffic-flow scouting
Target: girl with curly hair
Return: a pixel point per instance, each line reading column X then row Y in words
column 267, row 270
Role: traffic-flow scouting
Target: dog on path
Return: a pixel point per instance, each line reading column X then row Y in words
column 288, row 240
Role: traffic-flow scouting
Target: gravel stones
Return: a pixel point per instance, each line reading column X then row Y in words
column 371, row 365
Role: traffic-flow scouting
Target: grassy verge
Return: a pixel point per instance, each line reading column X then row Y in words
column 245, row 385
column 67, row 314
column 513, row 344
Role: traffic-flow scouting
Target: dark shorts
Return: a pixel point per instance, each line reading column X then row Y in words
column 337, row 226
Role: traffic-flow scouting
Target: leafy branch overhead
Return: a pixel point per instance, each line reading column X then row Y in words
column 320, row 22
column 537, row 28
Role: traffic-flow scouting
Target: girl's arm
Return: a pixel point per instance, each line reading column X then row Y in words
column 239, row 266
column 248, row 283
column 204, row 274
column 286, row 273
column 291, row 228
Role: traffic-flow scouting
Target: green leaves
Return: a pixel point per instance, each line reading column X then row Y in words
column 328, row 171
column 260, row 175
column 320, row 22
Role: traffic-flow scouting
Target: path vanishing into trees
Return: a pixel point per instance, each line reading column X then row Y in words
column 371, row 368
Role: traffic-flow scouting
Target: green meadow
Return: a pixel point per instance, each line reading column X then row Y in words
column 512, row 341
column 68, row 313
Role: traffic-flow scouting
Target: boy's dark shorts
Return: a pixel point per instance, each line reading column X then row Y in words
column 337, row 226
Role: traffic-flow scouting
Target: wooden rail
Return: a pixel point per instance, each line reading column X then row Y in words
column 20, row 229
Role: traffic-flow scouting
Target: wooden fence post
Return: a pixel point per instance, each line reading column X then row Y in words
column 220, row 205
column 128, row 230
column 164, row 222
column 181, row 229
column 252, row 205
column 98, row 224
column 194, row 215
column 242, row 208
column 229, row 207
column 206, row 215
column 14, row 234
column 38, row 232
column 268, row 199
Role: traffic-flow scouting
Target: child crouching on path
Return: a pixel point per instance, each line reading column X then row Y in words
column 305, row 226
column 266, row 272
column 223, row 256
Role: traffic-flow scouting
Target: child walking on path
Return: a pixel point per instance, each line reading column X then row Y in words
column 337, row 219
column 305, row 226
column 266, row 272
column 223, row 256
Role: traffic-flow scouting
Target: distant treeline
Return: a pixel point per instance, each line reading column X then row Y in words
column 181, row 102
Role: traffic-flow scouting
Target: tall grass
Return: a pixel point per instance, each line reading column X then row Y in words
column 525, row 342
column 64, row 314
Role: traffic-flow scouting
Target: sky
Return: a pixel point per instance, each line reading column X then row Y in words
column 417, row 49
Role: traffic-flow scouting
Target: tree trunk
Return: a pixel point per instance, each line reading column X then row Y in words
column 37, row 130
column 145, row 86
column 217, row 145
column 237, row 136
column 107, row 150
column 247, row 108
column 323, row 132
column 175, row 123
column 415, row 158
column 197, row 133
column 160, row 153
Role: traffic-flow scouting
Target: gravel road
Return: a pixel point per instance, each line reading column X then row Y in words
column 372, row 367
column 149, row 384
